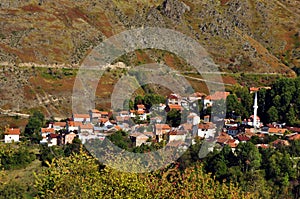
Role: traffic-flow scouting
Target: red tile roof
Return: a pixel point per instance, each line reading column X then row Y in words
column 175, row 106
column 13, row 131
column 243, row 138
column 175, row 132
column 218, row 96
column 162, row 126
column 61, row 124
column 86, row 126
column 53, row 135
column 47, row 130
column 254, row 89
column 295, row 137
column 81, row 116
column 277, row 130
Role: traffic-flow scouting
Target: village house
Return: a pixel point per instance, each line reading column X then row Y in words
column 150, row 135
column 94, row 115
column 70, row 137
column 86, row 128
column 219, row 95
column 276, row 131
column 197, row 96
column 73, row 126
column 174, row 99
column 160, row 130
column 12, row 135
column 206, row 130
column 81, row 118
column 138, row 138
column 59, row 125
column 45, row 132
column 53, row 139
column 177, row 135
column 294, row 137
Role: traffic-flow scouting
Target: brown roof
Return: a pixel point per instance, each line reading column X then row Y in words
column 175, row 106
column 281, row 142
column 81, row 116
column 118, row 128
column 47, row 130
column 277, row 130
column 53, row 135
column 149, row 134
column 264, row 146
column 173, row 96
column 139, row 135
column 61, row 124
column 175, row 132
column 218, row 96
column 162, row 126
column 295, row 137
column 243, row 138
column 232, row 143
column 254, row 89
column 86, row 126
column 13, row 131
column 72, row 123
column 294, row 129
column 197, row 94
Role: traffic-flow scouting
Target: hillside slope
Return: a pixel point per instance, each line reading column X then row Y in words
column 242, row 36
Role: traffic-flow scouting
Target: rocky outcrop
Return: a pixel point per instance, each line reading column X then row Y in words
column 174, row 9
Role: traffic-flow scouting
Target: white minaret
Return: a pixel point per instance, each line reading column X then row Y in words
column 255, row 111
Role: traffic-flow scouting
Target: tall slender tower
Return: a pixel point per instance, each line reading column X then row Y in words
column 255, row 107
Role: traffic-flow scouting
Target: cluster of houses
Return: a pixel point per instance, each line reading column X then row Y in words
column 98, row 124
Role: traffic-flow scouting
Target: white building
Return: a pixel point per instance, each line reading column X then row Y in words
column 12, row 135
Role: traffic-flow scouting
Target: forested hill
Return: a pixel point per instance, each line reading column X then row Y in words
column 252, row 35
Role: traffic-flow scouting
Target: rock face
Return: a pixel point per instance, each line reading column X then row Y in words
column 174, row 9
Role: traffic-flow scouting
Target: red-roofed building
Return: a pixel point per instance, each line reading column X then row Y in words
column 219, row 95
column 177, row 135
column 86, row 128
column 12, row 135
column 174, row 99
column 94, row 114
column 175, row 106
column 81, row 118
column 59, row 125
column 160, row 130
column 294, row 137
column 280, row 142
column 243, row 138
column 277, row 131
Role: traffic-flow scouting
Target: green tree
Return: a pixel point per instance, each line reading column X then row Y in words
column 248, row 156
column 35, row 123
column 174, row 118
column 272, row 114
